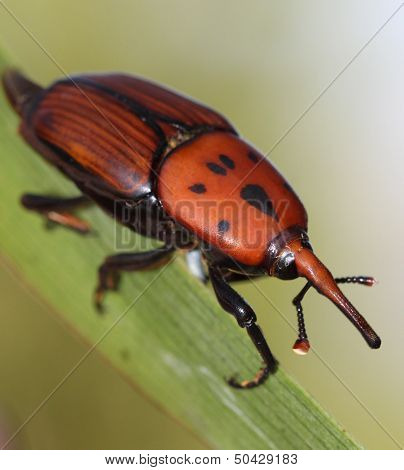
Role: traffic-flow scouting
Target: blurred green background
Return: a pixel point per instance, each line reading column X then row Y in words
column 262, row 64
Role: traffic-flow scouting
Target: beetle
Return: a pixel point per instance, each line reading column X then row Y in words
column 182, row 175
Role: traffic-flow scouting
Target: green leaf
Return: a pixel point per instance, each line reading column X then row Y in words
column 163, row 330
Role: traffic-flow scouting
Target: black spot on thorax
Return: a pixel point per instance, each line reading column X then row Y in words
column 257, row 197
column 223, row 226
column 198, row 188
column 227, row 161
column 254, row 157
column 219, row 170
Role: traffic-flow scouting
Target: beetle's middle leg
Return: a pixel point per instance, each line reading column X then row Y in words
column 58, row 210
column 233, row 303
column 109, row 271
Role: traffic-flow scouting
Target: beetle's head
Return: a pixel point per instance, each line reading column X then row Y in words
column 292, row 256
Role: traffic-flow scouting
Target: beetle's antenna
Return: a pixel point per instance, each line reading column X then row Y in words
column 364, row 280
column 302, row 344
column 310, row 267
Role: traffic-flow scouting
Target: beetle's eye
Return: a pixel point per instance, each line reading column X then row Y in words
column 306, row 244
column 285, row 267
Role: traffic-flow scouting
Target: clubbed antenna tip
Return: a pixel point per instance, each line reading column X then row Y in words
column 301, row 347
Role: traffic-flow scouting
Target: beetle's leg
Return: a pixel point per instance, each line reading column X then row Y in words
column 302, row 344
column 233, row 303
column 195, row 265
column 58, row 210
column 109, row 271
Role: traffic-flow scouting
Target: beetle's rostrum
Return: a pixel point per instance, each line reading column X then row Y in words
column 175, row 170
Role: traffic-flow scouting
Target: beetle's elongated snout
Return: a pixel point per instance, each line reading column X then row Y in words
column 310, row 267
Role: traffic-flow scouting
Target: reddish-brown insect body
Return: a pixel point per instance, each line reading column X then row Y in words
column 187, row 179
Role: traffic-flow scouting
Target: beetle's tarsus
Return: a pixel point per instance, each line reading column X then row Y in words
column 260, row 377
column 99, row 296
column 112, row 280
column 108, row 280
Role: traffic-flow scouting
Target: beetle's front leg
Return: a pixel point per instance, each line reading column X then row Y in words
column 58, row 210
column 109, row 271
column 233, row 303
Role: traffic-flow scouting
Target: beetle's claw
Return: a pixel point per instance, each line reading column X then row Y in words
column 260, row 377
column 110, row 282
column 98, row 299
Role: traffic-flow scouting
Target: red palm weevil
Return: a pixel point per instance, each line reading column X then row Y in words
column 181, row 174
